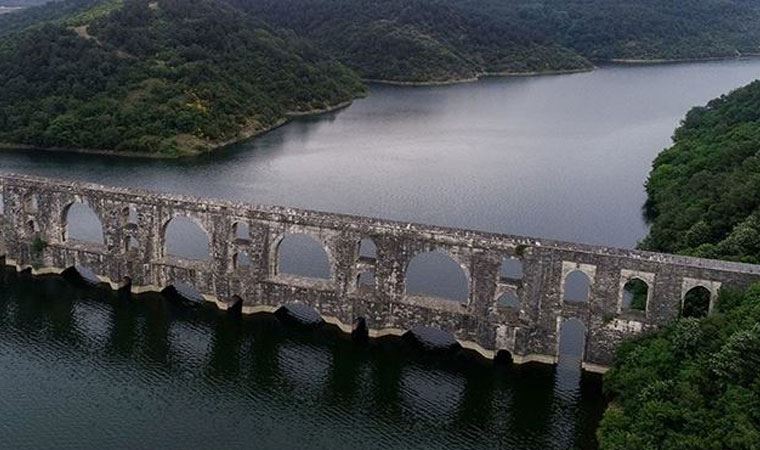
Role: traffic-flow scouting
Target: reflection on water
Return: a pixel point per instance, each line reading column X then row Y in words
column 558, row 157
column 86, row 368
column 561, row 157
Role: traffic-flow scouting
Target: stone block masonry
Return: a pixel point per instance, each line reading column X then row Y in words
column 133, row 256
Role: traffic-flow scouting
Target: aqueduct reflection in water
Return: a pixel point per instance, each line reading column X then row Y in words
column 242, row 370
column 504, row 293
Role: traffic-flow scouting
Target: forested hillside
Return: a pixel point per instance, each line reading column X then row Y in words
column 168, row 77
column 604, row 30
column 182, row 76
column 704, row 191
column 438, row 40
column 418, row 40
column 693, row 385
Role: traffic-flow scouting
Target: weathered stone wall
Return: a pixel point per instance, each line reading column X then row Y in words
column 34, row 212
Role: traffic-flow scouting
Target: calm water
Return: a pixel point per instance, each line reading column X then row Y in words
column 559, row 156
column 83, row 368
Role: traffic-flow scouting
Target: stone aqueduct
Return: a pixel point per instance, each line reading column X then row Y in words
column 133, row 256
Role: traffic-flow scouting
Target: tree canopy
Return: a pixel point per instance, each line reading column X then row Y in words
column 694, row 385
column 418, row 40
column 704, row 191
column 168, row 77
column 438, row 40
column 175, row 77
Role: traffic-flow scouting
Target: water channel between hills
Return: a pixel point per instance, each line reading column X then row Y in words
column 561, row 157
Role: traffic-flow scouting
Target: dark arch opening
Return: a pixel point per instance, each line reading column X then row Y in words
column 577, row 287
column 696, row 302
column 300, row 313
column 503, row 358
column 83, row 224
column 367, row 249
column 184, row 292
column 184, row 238
column 360, row 331
column 125, row 287
column 635, row 295
column 242, row 231
column 242, row 260
column 302, row 255
column 437, row 274
column 432, row 338
column 81, row 275
column 235, row 305
column 508, row 300
column 511, row 269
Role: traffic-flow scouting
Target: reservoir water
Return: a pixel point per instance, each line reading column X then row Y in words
column 83, row 368
column 562, row 157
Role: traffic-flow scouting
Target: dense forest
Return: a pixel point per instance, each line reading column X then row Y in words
column 175, row 77
column 604, row 30
column 168, row 77
column 693, row 385
column 424, row 40
column 418, row 40
column 704, row 191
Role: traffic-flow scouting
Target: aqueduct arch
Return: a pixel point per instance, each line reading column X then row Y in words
column 189, row 229
column 319, row 266
column 437, row 273
column 524, row 324
column 81, row 222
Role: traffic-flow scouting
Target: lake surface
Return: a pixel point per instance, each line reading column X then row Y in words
column 84, row 368
column 562, row 157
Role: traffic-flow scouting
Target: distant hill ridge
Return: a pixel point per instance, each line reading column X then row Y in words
column 440, row 40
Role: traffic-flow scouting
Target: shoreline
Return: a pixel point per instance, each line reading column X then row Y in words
column 647, row 62
column 247, row 134
column 597, row 63
column 476, row 78
column 244, row 135
column 10, row 9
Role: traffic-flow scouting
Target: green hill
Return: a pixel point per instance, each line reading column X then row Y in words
column 604, row 30
column 440, row 40
column 704, row 191
column 167, row 77
column 172, row 77
column 418, row 40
